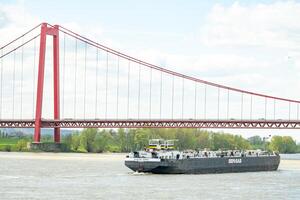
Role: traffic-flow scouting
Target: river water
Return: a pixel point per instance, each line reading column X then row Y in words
column 104, row 176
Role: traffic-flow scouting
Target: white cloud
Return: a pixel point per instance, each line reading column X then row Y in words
column 257, row 40
column 14, row 20
column 250, row 47
column 269, row 25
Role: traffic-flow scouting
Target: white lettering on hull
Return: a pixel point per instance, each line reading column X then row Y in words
column 235, row 160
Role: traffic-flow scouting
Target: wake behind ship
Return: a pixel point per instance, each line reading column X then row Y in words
column 161, row 158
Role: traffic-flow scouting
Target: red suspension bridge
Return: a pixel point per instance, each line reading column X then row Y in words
column 96, row 86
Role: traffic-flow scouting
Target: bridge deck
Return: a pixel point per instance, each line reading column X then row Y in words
column 154, row 123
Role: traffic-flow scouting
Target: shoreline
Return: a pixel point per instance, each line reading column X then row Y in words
column 91, row 153
column 63, row 156
column 3, row 154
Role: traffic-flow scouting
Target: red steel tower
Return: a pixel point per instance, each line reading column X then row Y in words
column 52, row 31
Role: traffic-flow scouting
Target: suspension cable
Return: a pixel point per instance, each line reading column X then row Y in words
column 182, row 106
column 139, row 92
column 297, row 111
column 118, row 83
column 227, row 104
column 266, row 108
column 22, row 69
column 22, row 77
column 1, row 83
column 128, row 89
column 242, row 104
column 96, row 97
column 84, row 95
column 251, row 106
column 274, row 108
column 106, row 85
column 150, row 94
column 21, row 45
column 289, row 110
column 80, row 37
column 33, row 80
column 20, row 36
column 64, row 76
column 75, row 78
column 174, row 73
column 13, row 89
column 160, row 96
column 195, row 102
column 218, row 102
column 205, row 101
column 173, row 97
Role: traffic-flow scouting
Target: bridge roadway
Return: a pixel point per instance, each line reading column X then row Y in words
column 153, row 123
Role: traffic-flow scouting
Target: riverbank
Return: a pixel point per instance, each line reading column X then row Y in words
column 63, row 156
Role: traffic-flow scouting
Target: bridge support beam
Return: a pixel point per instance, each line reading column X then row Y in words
column 53, row 31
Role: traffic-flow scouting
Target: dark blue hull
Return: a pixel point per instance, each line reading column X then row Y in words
column 207, row 165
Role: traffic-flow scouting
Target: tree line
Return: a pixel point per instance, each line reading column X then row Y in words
column 126, row 140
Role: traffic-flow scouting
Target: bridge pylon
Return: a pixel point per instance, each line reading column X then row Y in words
column 54, row 32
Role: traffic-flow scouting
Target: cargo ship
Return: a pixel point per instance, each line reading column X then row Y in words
column 161, row 157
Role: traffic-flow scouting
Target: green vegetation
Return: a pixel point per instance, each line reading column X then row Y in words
column 284, row 144
column 13, row 144
column 121, row 140
column 126, row 140
column 8, row 141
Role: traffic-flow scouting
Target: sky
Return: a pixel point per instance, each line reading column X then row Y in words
column 253, row 45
